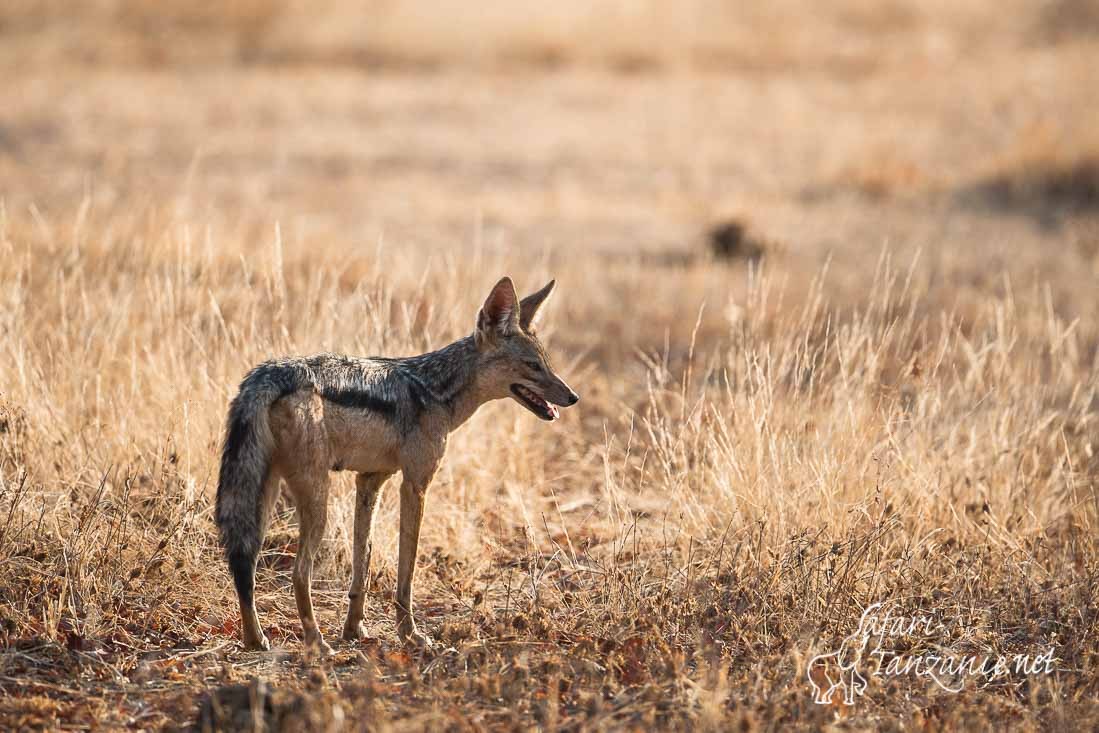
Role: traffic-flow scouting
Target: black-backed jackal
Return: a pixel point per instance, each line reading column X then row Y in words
column 295, row 420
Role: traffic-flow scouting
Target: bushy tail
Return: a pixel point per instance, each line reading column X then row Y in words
column 245, row 464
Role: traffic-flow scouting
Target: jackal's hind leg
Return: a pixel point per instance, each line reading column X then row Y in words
column 368, row 490
column 243, row 568
column 311, row 496
column 244, row 575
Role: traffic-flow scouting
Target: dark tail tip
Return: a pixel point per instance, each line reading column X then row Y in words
column 243, row 567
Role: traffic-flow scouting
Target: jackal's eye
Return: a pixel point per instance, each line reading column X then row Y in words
column 534, row 366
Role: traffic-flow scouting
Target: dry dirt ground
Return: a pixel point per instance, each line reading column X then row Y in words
column 879, row 385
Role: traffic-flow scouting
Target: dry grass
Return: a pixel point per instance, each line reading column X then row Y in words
column 899, row 402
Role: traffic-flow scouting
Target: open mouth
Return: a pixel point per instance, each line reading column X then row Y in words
column 534, row 403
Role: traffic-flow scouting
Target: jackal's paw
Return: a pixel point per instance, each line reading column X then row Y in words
column 257, row 644
column 354, row 632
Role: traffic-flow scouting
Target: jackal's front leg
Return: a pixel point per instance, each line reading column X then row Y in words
column 368, row 489
column 412, row 512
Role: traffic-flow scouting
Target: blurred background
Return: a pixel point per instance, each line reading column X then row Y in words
column 808, row 130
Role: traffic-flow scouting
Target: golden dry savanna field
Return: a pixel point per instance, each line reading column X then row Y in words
column 879, row 384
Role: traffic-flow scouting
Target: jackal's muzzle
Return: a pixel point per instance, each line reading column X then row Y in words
column 541, row 406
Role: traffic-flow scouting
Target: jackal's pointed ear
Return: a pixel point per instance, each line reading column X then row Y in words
column 499, row 315
column 528, row 306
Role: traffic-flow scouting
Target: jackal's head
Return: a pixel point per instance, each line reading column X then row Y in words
column 512, row 361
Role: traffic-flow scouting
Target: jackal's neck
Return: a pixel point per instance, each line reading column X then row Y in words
column 448, row 374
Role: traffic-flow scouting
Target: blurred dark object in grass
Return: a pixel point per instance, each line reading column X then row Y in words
column 731, row 240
